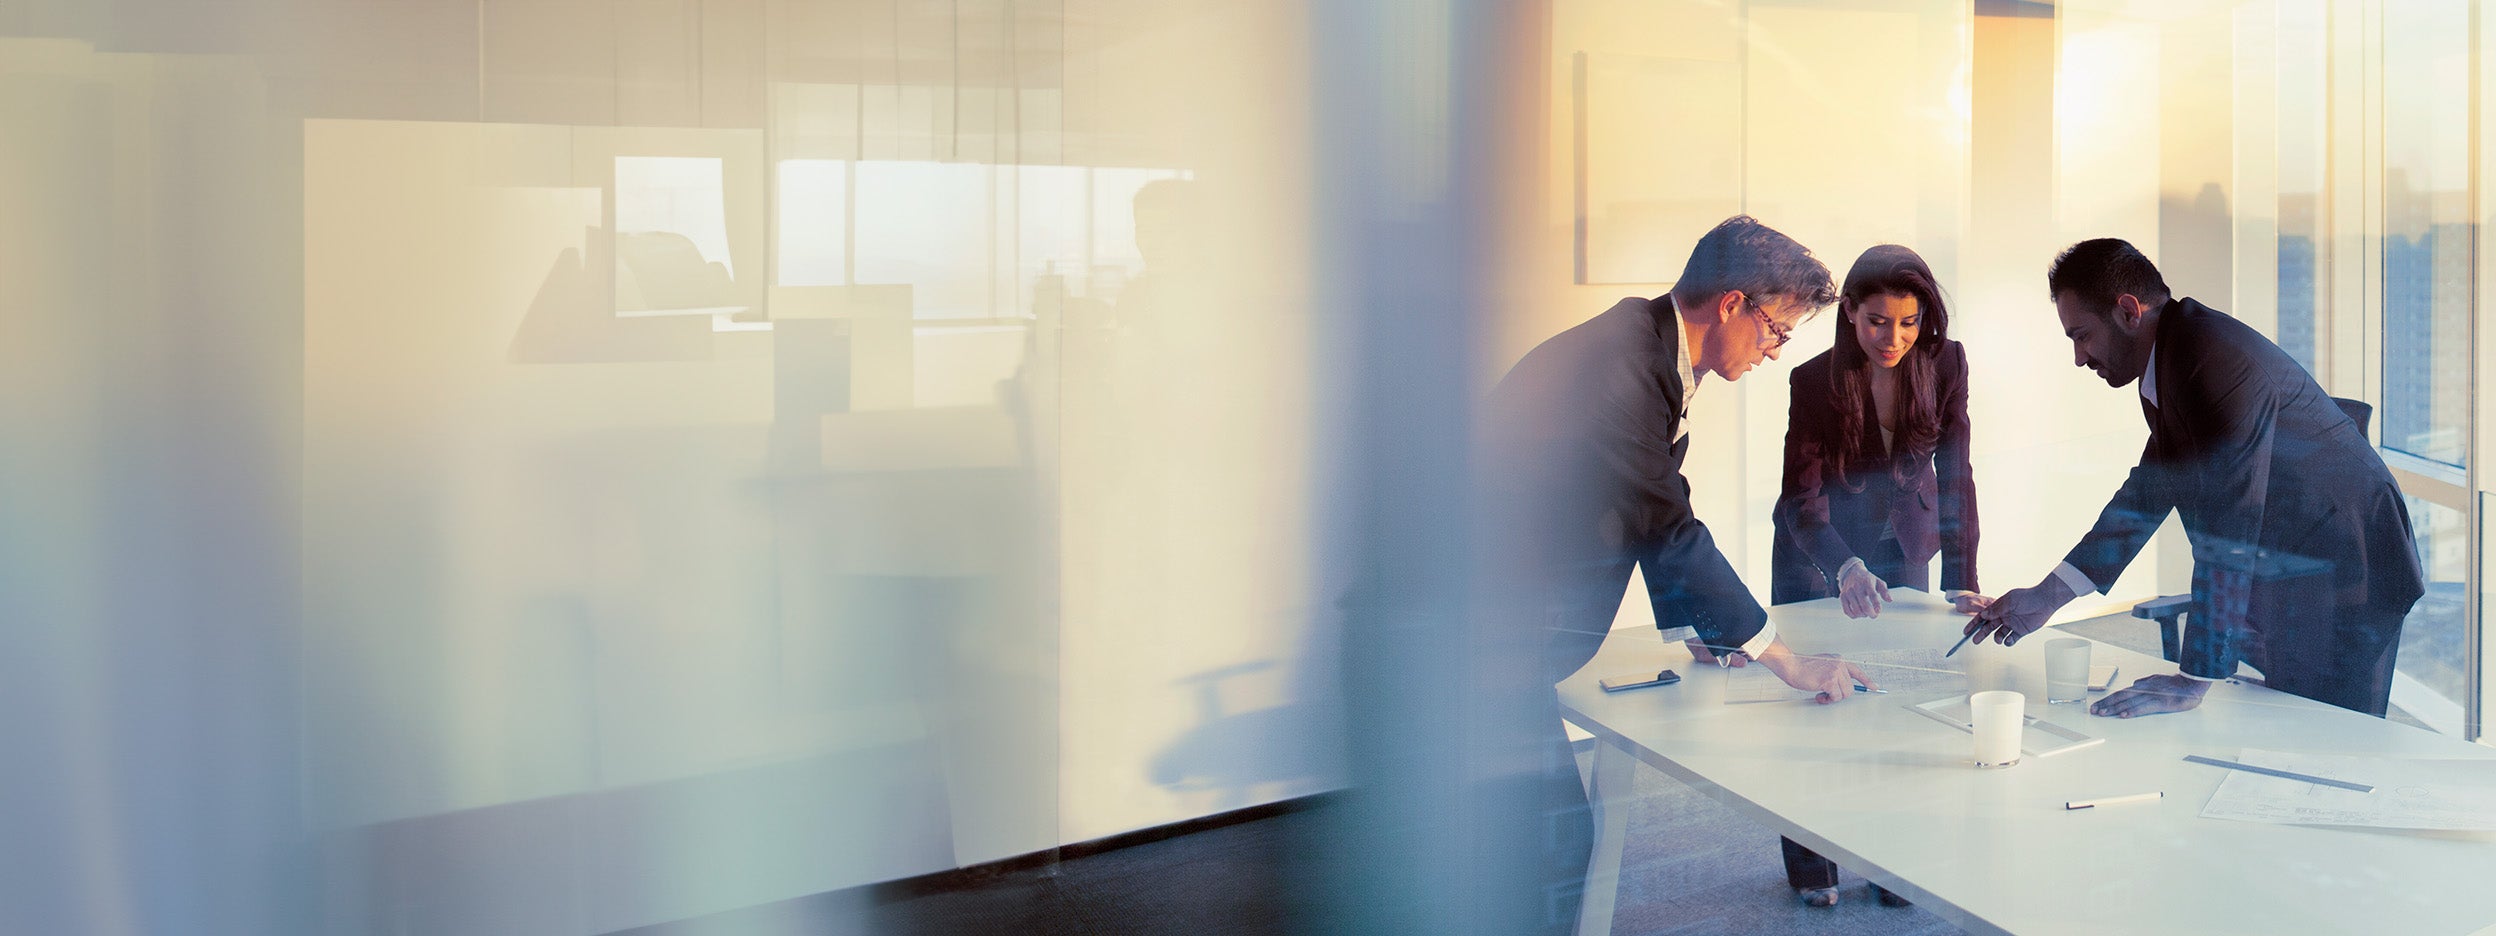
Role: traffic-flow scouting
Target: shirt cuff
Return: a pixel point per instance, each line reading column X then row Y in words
column 1955, row 594
column 1849, row 564
column 1759, row 642
column 2080, row 584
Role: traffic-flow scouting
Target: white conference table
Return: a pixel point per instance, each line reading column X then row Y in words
column 1892, row 795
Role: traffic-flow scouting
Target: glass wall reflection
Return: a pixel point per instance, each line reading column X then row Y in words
column 636, row 476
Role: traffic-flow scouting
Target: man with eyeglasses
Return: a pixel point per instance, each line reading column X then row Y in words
column 1587, row 437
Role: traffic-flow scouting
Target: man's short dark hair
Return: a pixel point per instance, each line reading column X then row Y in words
column 1743, row 254
column 2096, row 271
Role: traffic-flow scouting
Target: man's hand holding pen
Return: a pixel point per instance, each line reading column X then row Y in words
column 2019, row 612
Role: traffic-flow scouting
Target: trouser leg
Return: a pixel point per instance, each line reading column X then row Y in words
column 1806, row 868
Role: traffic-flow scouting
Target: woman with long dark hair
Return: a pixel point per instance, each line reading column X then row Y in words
column 1876, row 470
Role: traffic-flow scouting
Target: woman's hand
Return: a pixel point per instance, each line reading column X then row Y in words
column 1828, row 678
column 1860, row 592
column 1970, row 603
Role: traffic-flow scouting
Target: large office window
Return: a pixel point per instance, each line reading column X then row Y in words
column 2303, row 146
column 2377, row 274
column 972, row 240
column 2434, row 641
column 2427, row 235
column 814, row 222
column 2428, row 247
column 931, row 225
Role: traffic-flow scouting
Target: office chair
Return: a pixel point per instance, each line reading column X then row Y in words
column 2171, row 610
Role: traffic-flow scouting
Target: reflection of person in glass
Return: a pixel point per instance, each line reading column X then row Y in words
column 1876, row 470
column 1161, row 241
column 1587, row 441
column 2268, row 474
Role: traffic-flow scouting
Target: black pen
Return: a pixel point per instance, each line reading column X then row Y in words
column 1954, row 648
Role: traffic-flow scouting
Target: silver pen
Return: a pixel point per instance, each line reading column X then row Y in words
column 2114, row 800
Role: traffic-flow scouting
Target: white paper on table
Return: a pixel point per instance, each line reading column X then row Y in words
column 2451, row 795
column 1918, row 673
column 1911, row 619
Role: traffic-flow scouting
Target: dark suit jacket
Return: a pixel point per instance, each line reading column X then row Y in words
column 1586, row 477
column 1820, row 523
column 2301, row 544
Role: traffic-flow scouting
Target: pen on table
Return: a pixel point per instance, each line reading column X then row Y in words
column 1859, row 687
column 2114, row 800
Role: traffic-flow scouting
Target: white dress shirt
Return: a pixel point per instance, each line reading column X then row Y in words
column 1681, row 427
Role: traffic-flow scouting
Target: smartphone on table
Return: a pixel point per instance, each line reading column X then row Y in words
column 1638, row 680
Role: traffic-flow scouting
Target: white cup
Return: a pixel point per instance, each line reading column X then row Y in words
column 2066, row 670
column 1999, row 716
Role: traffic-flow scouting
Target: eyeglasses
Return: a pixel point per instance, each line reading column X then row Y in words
column 1777, row 330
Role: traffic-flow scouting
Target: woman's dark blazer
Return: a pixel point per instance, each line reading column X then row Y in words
column 1820, row 523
